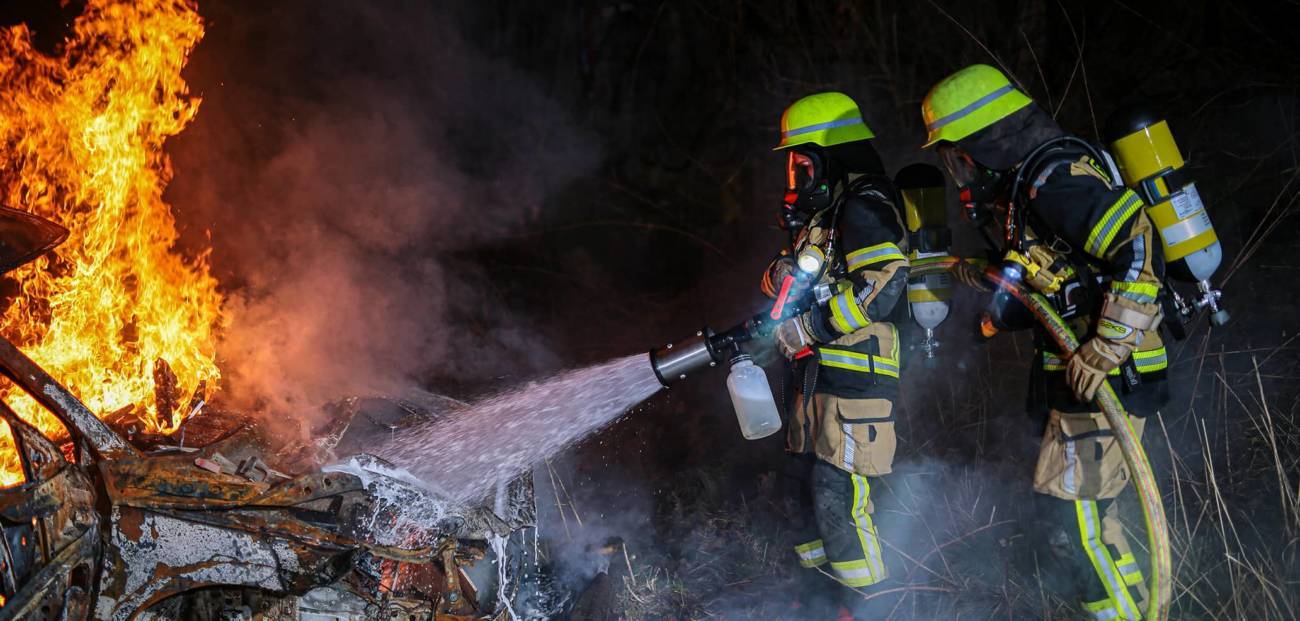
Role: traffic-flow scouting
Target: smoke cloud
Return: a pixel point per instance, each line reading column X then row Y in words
column 340, row 201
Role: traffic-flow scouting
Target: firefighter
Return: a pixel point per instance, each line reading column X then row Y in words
column 1075, row 234
column 848, row 247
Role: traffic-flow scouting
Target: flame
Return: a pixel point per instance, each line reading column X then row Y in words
column 81, row 143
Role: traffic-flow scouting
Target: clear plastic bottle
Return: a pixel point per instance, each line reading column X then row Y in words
column 752, row 397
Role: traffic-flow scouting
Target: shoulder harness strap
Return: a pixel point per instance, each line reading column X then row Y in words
column 1035, row 169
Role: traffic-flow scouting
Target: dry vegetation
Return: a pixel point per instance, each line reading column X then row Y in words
column 955, row 536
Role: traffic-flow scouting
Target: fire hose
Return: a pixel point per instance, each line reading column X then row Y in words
column 1153, row 510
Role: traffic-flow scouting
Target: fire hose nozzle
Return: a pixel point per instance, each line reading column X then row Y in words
column 674, row 361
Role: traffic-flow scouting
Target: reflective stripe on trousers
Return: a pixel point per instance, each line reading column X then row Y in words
column 1107, row 571
column 850, row 446
column 811, row 554
column 1068, row 482
column 1101, row 611
column 1128, row 567
column 871, row 569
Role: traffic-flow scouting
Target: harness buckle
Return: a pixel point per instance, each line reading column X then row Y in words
column 1129, row 376
column 871, row 357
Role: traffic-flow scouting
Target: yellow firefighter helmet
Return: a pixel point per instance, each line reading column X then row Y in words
column 824, row 119
column 968, row 101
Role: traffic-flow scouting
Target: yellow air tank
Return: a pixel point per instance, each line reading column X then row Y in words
column 1153, row 167
column 929, row 239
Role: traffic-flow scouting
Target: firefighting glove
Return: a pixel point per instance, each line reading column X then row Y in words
column 971, row 276
column 1119, row 332
column 773, row 278
column 792, row 336
column 1089, row 365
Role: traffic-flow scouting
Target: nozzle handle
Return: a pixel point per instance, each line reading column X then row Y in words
column 778, row 309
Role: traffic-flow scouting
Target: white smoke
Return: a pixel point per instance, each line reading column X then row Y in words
column 337, row 193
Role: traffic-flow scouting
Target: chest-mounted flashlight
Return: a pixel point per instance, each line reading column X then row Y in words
column 810, row 260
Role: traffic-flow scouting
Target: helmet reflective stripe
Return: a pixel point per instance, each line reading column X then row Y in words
column 827, row 125
column 975, row 105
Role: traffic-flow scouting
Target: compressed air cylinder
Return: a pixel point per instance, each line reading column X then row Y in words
column 1151, row 164
column 921, row 186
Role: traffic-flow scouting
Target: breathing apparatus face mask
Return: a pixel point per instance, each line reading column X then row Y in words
column 807, row 189
column 979, row 188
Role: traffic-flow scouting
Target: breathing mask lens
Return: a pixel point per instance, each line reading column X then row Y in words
column 800, row 171
column 807, row 191
column 980, row 187
column 959, row 165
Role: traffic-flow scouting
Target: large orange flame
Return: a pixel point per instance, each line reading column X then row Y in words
column 81, row 143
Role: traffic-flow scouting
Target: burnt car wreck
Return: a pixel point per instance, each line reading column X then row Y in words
column 226, row 520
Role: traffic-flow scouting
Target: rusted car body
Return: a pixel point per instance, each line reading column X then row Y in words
column 104, row 529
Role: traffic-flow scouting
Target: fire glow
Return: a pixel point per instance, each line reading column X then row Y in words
column 81, row 143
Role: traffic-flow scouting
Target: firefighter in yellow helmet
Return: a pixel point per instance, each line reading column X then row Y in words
column 1083, row 240
column 847, row 247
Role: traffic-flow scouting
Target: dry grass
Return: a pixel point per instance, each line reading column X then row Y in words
column 954, row 539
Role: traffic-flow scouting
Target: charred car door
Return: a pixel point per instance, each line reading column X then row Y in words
column 50, row 548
